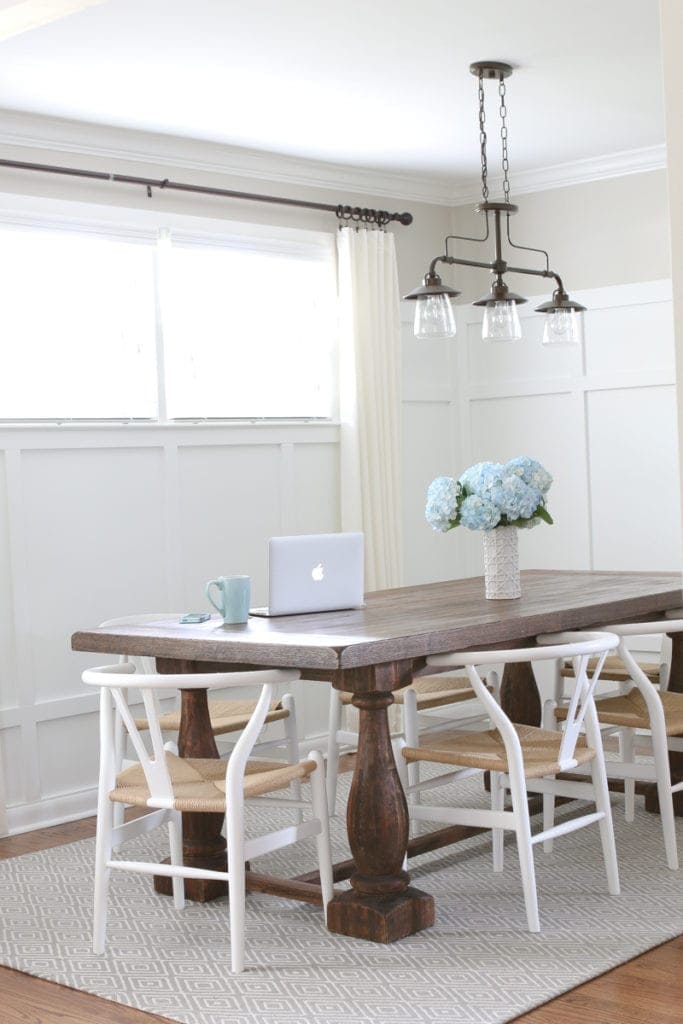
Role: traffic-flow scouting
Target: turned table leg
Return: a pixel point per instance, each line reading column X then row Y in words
column 381, row 905
column 675, row 756
column 203, row 844
column 519, row 696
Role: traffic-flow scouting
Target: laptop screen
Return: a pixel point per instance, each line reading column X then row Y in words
column 315, row 573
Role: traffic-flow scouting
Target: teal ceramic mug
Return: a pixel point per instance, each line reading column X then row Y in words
column 233, row 597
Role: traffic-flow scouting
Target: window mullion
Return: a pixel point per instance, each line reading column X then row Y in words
column 161, row 250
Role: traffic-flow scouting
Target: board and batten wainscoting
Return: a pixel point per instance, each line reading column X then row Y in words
column 101, row 521
column 107, row 520
column 602, row 420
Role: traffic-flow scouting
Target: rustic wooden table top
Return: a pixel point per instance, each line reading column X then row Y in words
column 410, row 622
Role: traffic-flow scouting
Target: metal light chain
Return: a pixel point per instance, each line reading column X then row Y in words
column 482, row 140
column 504, row 140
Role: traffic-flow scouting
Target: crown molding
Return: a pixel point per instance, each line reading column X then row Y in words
column 62, row 137
column 105, row 142
column 575, row 172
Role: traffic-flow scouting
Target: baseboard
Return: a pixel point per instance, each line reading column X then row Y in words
column 51, row 811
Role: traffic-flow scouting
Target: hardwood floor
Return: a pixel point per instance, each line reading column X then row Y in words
column 647, row 990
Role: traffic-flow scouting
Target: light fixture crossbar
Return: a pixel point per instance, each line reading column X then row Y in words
column 434, row 316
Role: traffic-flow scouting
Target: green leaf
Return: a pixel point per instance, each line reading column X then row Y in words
column 542, row 513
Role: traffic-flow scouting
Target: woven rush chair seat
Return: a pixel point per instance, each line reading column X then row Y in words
column 199, row 783
column 614, row 670
column 485, row 750
column 226, row 716
column 431, row 691
column 631, row 711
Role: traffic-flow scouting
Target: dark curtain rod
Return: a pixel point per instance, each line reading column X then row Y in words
column 343, row 212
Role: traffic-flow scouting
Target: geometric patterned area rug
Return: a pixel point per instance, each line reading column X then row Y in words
column 477, row 965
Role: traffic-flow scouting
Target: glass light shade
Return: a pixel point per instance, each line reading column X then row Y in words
column 563, row 327
column 501, row 322
column 434, row 318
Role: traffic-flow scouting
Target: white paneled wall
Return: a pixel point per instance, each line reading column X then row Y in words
column 107, row 521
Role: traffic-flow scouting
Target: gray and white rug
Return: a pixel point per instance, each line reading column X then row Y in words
column 477, row 964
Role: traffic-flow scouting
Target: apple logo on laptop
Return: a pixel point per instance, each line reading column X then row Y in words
column 318, row 572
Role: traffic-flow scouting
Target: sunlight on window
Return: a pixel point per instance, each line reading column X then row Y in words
column 76, row 326
column 247, row 334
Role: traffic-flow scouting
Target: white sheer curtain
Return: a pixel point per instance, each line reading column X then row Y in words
column 370, row 383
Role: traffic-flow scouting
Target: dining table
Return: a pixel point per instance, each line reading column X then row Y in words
column 371, row 652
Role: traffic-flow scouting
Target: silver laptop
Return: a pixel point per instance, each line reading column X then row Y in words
column 314, row 573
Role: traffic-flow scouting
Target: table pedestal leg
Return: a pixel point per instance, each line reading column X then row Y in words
column 203, row 844
column 380, row 906
column 519, row 696
column 675, row 756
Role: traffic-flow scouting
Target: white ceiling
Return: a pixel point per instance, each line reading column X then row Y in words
column 373, row 83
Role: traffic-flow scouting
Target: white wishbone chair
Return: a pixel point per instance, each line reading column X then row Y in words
column 641, row 706
column 227, row 716
column 523, row 759
column 169, row 785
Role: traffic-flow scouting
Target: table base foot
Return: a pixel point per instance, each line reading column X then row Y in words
column 198, row 890
column 378, row 918
column 652, row 800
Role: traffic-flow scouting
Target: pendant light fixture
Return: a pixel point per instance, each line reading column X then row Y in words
column 434, row 312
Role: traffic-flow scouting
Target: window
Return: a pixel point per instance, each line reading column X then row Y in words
column 164, row 327
column 246, row 333
column 77, row 326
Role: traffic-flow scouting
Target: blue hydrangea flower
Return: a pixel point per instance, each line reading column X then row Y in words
column 441, row 510
column 531, row 472
column 479, row 479
column 479, row 514
column 514, row 498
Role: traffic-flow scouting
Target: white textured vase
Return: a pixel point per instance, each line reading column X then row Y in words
column 501, row 563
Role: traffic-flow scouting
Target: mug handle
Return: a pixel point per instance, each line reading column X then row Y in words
column 207, row 591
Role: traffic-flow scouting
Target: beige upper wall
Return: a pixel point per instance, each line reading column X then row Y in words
column 601, row 233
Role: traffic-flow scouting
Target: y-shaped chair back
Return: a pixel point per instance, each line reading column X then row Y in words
column 580, row 647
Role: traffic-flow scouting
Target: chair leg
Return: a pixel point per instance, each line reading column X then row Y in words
column 602, row 800
column 520, row 808
column 319, row 800
column 103, row 850
column 411, row 731
column 175, row 842
column 292, row 740
column 237, row 883
column 660, row 750
column 548, row 819
column 550, row 722
column 626, row 756
column 333, row 750
column 602, row 803
column 497, row 804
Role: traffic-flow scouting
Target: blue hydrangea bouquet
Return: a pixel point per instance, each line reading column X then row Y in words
column 495, row 498
column 489, row 495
